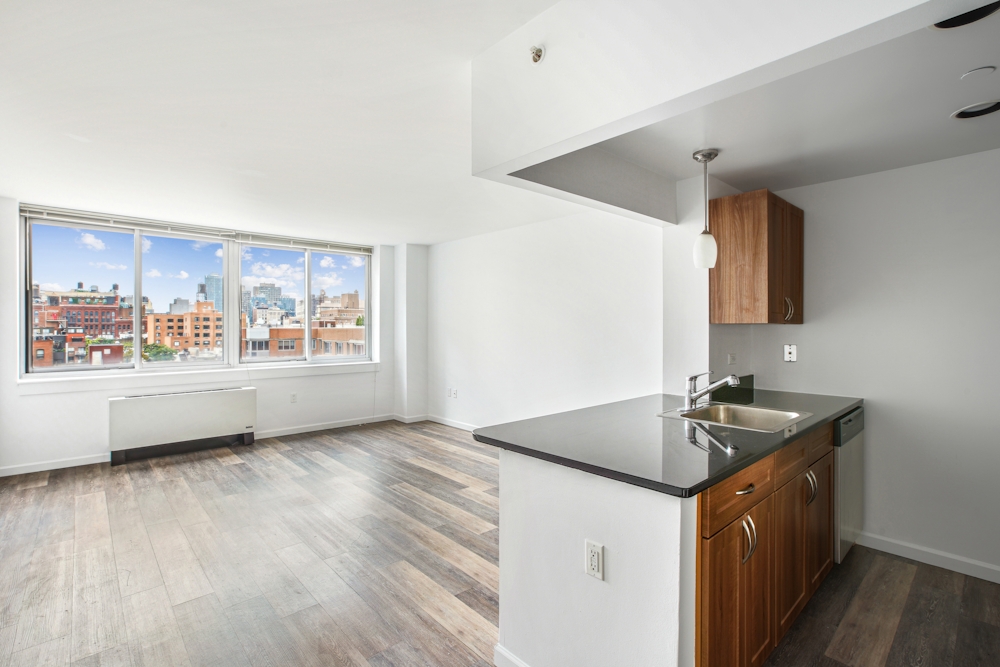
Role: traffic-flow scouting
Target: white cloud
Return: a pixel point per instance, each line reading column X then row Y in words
column 51, row 287
column 218, row 253
column 91, row 241
column 327, row 262
column 326, row 281
column 108, row 265
column 245, row 254
column 183, row 275
column 357, row 261
column 153, row 273
column 146, row 244
column 284, row 271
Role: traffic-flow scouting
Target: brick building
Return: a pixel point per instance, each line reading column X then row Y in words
column 197, row 333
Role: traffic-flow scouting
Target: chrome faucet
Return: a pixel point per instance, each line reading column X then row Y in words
column 692, row 394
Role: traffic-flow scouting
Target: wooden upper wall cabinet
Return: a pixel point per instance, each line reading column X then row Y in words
column 758, row 276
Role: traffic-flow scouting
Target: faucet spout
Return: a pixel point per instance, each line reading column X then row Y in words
column 693, row 394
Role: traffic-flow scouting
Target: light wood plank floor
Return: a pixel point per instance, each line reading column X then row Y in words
column 372, row 545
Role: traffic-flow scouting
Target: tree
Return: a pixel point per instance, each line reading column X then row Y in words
column 157, row 352
column 360, row 321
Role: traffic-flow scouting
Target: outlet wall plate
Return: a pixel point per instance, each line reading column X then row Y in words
column 594, row 559
column 791, row 352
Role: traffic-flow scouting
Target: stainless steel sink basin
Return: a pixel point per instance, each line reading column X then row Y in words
column 748, row 417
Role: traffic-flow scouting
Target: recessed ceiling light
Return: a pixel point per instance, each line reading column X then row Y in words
column 977, row 110
column 978, row 72
column 968, row 17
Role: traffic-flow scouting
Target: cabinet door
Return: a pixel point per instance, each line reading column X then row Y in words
column 819, row 524
column 777, row 226
column 719, row 597
column 792, row 262
column 757, row 588
column 791, row 584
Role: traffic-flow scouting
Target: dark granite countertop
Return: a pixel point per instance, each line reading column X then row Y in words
column 628, row 442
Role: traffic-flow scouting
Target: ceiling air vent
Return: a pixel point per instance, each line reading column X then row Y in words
column 977, row 110
column 968, row 17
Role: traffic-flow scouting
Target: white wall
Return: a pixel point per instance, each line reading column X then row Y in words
column 685, row 288
column 52, row 422
column 543, row 318
column 901, row 309
column 553, row 613
column 411, row 332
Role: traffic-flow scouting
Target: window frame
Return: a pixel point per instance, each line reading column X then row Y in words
column 232, row 242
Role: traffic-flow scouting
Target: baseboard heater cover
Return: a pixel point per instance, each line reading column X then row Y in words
column 161, row 424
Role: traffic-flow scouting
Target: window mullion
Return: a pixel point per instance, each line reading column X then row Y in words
column 307, row 307
column 137, row 319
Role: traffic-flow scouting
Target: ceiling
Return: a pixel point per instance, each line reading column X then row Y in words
column 882, row 108
column 343, row 120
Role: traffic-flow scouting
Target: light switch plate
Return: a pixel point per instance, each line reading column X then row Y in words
column 791, row 352
column 731, row 359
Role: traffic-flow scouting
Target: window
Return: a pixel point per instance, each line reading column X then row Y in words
column 338, row 296
column 272, row 289
column 120, row 284
column 78, row 265
column 176, row 275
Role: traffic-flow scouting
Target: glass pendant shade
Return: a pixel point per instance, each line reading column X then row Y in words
column 706, row 251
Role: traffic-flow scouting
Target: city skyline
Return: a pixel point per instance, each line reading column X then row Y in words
column 173, row 268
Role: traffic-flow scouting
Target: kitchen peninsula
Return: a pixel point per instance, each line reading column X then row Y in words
column 634, row 483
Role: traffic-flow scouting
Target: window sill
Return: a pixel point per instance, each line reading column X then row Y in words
column 244, row 374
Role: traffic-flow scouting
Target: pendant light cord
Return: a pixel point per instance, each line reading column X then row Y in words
column 705, row 165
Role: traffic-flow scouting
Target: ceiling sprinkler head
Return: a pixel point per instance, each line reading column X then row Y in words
column 537, row 53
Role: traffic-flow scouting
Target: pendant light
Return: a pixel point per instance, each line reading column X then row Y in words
column 706, row 251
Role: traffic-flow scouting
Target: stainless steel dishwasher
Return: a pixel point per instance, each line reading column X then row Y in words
column 849, row 491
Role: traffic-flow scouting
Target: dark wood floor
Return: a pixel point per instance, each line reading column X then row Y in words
column 373, row 545
column 878, row 610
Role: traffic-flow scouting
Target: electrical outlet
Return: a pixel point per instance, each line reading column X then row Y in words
column 454, row 393
column 294, row 398
column 594, row 565
column 731, row 359
column 791, row 352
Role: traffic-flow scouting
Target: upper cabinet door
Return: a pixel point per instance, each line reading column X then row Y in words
column 758, row 276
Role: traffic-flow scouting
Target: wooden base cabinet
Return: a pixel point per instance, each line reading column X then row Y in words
column 819, row 524
column 756, row 574
column 736, row 592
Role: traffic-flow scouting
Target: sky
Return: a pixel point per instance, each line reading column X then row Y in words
column 173, row 267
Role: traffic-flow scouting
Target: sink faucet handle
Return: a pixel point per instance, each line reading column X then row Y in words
column 694, row 378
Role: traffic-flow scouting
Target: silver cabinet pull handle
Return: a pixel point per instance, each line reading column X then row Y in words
column 789, row 309
column 792, row 304
column 750, row 541
column 814, row 483
column 753, row 548
column 747, row 491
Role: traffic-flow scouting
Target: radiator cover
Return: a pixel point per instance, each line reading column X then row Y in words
column 159, row 419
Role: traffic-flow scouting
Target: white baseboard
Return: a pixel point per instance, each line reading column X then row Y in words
column 294, row 430
column 410, row 420
column 968, row 566
column 452, row 422
column 504, row 658
column 55, row 464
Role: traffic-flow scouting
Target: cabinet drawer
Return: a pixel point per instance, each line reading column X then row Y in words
column 820, row 443
column 729, row 499
column 790, row 461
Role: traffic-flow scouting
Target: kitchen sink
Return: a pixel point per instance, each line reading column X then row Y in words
column 747, row 417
